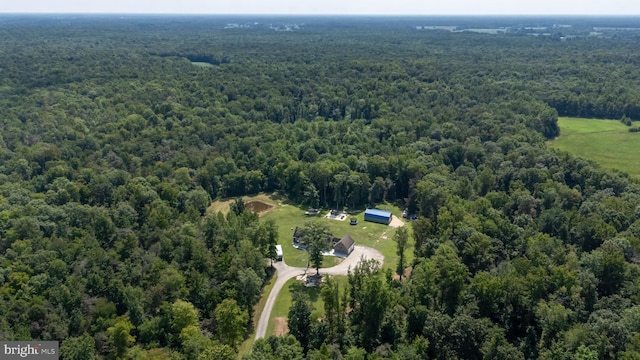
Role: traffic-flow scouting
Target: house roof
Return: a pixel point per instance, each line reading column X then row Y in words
column 377, row 212
column 347, row 241
column 344, row 244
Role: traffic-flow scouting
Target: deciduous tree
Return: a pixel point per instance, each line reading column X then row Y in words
column 401, row 237
column 230, row 322
column 120, row 336
column 299, row 319
column 316, row 236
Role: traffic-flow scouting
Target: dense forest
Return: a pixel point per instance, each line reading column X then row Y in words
column 117, row 133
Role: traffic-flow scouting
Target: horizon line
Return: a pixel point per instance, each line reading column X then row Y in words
column 317, row 14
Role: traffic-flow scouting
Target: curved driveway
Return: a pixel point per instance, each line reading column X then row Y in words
column 286, row 272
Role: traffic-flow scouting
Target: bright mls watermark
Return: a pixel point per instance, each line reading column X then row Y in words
column 36, row 350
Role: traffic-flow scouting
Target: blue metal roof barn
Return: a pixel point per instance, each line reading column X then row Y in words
column 378, row 216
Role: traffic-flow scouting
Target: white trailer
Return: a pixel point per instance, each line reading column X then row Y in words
column 278, row 252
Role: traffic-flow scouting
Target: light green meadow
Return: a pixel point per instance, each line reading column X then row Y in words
column 607, row 142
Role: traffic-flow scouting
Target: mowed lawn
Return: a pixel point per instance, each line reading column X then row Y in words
column 285, row 300
column 377, row 236
column 607, row 142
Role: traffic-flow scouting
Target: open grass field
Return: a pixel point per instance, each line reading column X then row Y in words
column 607, row 142
column 201, row 64
column 377, row 236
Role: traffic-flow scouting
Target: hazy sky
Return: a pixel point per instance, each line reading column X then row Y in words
column 347, row 7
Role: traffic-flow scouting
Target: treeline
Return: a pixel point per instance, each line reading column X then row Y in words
column 110, row 156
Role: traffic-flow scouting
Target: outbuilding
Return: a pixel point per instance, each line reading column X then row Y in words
column 378, row 216
column 344, row 246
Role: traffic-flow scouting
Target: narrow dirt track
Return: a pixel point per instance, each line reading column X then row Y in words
column 285, row 272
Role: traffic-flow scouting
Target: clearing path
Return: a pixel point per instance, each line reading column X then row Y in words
column 286, row 272
column 396, row 222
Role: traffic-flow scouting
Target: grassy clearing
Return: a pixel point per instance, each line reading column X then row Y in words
column 369, row 234
column 201, row 64
column 572, row 126
column 607, row 142
column 287, row 216
column 224, row 206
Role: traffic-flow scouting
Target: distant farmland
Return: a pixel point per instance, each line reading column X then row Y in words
column 608, row 142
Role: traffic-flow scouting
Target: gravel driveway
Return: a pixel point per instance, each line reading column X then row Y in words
column 285, row 272
column 396, row 222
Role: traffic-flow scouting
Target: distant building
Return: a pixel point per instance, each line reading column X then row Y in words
column 378, row 216
column 345, row 246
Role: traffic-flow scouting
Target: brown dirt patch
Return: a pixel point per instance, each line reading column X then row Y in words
column 259, row 207
column 220, row 206
column 396, row 222
column 223, row 205
column 405, row 274
column 281, row 327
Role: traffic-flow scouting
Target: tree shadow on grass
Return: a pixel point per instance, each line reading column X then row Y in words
column 313, row 292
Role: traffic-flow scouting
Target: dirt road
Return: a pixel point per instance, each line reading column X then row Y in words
column 285, row 272
column 396, row 222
